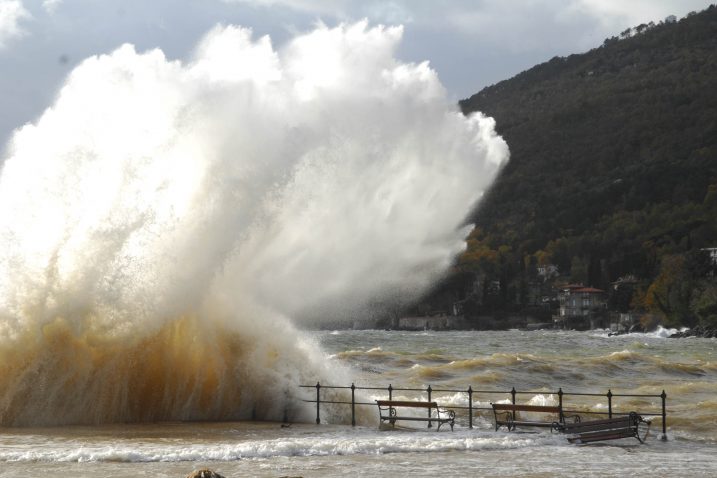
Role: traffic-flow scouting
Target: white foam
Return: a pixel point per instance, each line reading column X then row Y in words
column 351, row 442
column 663, row 333
column 190, row 210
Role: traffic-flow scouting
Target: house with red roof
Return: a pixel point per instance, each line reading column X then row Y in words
column 581, row 308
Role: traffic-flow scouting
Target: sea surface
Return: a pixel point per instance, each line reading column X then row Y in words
column 536, row 363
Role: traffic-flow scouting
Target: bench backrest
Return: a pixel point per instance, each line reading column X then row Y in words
column 406, row 403
column 510, row 407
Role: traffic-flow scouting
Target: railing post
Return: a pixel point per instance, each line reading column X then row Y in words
column 429, row 390
column 353, row 405
column 318, row 401
column 470, row 407
column 390, row 391
column 664, row 416
column 560, row 404
column 512, row 394
column 609, row 403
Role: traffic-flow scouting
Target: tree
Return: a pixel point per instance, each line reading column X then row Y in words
column 670, row 294
column 599, row 171
column 578, row 270
column 705, row 305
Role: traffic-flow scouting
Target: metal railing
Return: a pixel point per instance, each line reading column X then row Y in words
column 471, row 408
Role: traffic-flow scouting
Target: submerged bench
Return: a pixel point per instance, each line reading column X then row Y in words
column 506, row 415
column 387, row 412
column 609, row 429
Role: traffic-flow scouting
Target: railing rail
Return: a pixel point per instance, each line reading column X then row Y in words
column 471, row 407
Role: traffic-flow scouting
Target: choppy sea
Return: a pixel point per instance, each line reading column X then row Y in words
column 537, row 363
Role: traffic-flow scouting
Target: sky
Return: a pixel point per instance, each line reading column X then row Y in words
column 470, row 43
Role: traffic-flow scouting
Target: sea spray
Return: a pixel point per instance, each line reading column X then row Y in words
column 164, row 222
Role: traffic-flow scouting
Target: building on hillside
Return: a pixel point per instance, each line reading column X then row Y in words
column 548, row 271
column 624, row 281
column 712, row 258
column 670, row 19
column 436, row 322
column 581, row 308
column 621, row 323
column 712, row 251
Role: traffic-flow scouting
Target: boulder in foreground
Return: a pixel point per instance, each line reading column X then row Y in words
column 206, row 473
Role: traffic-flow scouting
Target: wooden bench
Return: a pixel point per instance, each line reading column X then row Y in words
column 387, row 412
column 506, row 415
column 609, row 429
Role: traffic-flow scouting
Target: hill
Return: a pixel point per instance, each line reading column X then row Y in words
column 613, row 173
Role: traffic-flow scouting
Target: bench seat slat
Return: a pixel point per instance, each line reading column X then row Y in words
column 406, row 403
column 596, row 428
column 419, row 419
column 591, row 437
column 509, row 407
column 532, row 424
column 607, row 422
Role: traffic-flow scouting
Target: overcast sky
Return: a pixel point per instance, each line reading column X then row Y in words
column 471, row 44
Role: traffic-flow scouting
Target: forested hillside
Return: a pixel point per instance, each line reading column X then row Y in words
column 613, row 172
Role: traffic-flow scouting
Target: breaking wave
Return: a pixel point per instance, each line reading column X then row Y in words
column 164, row 223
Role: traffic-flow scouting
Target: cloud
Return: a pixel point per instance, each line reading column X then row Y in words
column 635, row 11
column 518, row 25
column 11, row 12
column 338, row 8
column 521, row 26
column 396, row 11
column 51, row 5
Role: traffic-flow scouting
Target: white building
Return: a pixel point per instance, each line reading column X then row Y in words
column 712, row 251
column 548, row 271
column 581, row 307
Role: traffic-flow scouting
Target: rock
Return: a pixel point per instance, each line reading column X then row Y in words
column 637, row 328
column 706, row 332
column 698, row 331
column 206, row 473
column 683, row 334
